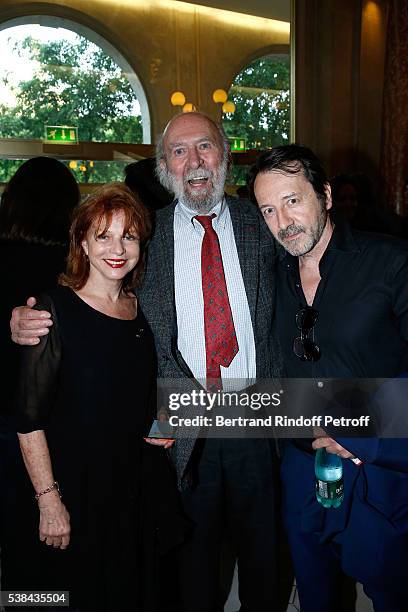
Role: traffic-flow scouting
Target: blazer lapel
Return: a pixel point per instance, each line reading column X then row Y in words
column 246, row 232
column 165, row 229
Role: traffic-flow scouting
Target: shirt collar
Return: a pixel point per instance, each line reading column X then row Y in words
column 341, row 240
column 187, row 215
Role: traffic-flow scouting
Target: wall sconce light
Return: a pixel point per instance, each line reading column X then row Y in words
column 178, row 98
column 228, row 107
column 189, row 108
column 220, row 96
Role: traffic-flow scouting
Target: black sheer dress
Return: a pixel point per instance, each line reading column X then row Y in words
column 90, row 385
column 26, row 269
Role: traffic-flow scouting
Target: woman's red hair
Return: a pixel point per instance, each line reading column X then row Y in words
column 97, row 210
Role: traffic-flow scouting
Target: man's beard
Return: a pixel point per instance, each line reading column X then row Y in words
column 200, row 202
column 308, row 238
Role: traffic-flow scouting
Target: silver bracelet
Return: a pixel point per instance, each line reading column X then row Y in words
column 48, row 490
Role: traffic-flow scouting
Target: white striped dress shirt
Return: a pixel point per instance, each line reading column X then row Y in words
column 188, row 237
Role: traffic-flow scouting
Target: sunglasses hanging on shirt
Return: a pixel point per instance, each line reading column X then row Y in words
column 304, row 347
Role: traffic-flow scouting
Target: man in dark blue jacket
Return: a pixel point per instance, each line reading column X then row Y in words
column 342, row 312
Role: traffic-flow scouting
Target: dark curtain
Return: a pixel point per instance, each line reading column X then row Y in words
column 394, row 164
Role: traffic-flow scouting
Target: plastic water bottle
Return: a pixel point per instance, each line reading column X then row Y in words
column 329, row 479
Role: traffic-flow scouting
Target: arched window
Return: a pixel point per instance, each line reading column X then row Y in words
column 261, row 95
column 53, row 76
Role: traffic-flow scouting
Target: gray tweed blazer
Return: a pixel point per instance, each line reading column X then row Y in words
column 256, row 252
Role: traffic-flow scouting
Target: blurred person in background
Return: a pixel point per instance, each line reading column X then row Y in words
column 35, row 215
column 354, row 202
column 140, row 177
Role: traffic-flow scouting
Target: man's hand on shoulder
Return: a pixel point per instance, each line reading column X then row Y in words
column 27, row 324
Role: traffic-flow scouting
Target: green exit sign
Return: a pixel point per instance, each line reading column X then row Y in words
column 237, row 144
column 61, row 134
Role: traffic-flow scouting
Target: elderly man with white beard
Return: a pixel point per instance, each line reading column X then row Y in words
column 210, row 251
column 227, row 484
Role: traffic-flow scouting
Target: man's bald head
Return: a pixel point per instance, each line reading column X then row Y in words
column 195, row 118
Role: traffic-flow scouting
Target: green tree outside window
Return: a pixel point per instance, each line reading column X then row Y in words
column 261, row 94
column 75, row 83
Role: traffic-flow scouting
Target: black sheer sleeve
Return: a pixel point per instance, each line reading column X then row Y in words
column 38, row 376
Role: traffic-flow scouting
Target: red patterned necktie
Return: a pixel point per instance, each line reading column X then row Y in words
column 221, row 344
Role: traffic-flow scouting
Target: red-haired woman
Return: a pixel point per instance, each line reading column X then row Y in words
column 87, row 396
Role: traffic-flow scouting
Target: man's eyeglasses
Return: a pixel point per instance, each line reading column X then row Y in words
column 303, row 347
